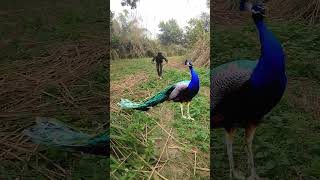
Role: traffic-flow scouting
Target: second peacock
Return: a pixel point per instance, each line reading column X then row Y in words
column 182, row 92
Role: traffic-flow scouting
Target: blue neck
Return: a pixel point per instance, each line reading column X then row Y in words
column 271, row 65
column 194, row 83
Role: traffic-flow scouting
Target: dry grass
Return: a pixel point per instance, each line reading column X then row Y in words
column 53, row 64
column 227, row 12
column 26, row 84
column 127, row 84
column 43, row 86
column 56, row 75
column 224, row 13
column 305, row 11
column 201, row 52
column 176, row 64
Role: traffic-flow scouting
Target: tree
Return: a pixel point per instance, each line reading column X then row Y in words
column 128, row 38
column 198, row 39
column 171, row 33
column 132, row 3
column 197, row 28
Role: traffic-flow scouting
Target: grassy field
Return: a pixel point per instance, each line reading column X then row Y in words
column 52, row 64
column 139, row 138
column 287, row 144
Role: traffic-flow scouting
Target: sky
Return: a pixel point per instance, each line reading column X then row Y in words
column 151, row 12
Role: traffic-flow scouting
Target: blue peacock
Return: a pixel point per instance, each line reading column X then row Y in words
column 182, row 92
column 243, row 91
column 51, row 132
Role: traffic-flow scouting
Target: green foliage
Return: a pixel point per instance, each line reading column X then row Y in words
column 173, row 50
column 198, row 39
column 197, row 28
column 171, row 33
column 129, row 40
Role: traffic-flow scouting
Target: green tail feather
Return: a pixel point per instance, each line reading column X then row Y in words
column 144, row 106
column 51, row 132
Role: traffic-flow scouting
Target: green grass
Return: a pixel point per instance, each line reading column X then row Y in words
column 286, row 145
column 195, row 134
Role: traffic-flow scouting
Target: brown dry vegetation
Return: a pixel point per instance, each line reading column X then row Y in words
column 127, row 84
column 201, row 53
column 223, row 13
column 53, row 64
column 306, row 11
column 49, row 86
column 303, row 10
column 26, row 86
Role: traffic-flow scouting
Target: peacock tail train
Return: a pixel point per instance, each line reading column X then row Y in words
column 52, row 132
column 153, row 101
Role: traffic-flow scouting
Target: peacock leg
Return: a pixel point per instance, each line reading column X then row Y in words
column 181, row 108
column 188, row 111
column 249, row 133
column 229, row 139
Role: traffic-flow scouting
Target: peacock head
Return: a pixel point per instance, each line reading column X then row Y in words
column 257, row 9
column 188, row 63
column 258, row 12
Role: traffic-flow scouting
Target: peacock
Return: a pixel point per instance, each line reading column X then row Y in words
column 51, row 132
column 182, row 92
column 243, row 91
